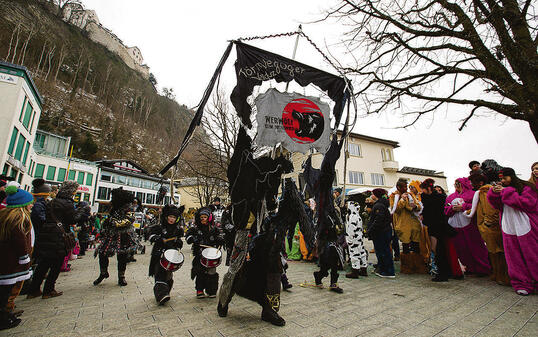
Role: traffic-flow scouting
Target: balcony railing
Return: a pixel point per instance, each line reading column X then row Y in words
column 390, row 165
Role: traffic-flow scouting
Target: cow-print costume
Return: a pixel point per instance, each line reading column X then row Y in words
column 354, row 238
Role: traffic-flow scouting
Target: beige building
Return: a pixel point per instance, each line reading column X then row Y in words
column 20, row 109
column 371, row 164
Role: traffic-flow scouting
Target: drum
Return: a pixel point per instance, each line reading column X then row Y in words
column 211, row 257
column 172, row 260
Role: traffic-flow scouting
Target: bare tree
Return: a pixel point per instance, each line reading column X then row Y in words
column 479, row 54
column 18, row 31
column 49, row 57
column 25, row 45
column 61, row 58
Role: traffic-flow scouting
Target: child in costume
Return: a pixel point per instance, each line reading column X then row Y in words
column 165, row 236
column 202, row 235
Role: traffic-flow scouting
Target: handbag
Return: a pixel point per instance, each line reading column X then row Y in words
column 68, row 237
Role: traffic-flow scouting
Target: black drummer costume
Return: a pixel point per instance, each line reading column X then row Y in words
column 201, row 236
column 165, row 236
column 117, row 236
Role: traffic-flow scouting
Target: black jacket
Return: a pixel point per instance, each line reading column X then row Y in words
column 49, row 240
column 39, row 213
column 434, row 217
column 380, row 219
column 207, row 235
column 164, row 236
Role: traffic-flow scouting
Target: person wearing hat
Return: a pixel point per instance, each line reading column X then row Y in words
column 472, row 251
column 16, row 241
column 204, row 234
column 517, row 201
column 50, row 248
column 41, row 192
column 165, row 236
column 117, row 236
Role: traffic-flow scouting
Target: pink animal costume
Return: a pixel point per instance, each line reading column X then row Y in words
column 519, row 223
column 472, row 251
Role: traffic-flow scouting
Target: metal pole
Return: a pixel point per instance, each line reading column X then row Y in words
column 299, row 30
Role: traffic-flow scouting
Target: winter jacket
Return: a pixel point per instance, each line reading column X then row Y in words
column 38, row 214
column 165, row 236
column 49, row 241
column 380, row 219
column 15, row 254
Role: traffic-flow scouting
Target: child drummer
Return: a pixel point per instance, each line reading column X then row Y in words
column 204, row 234
column 166, row 235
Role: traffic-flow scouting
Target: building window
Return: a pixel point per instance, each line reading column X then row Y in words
column 140, row 196
column 80, row 178
column 103, row 193
column 25, row 153
column 5, row 170
column 89, row 179
column 13, row 141
column 354, row 149
column 356, row 178
column 30, row 167
column 150, row 198
column 386, row 154
column 378, row 179
column 39, row 170
column 27, row 115
column 61, row 175
column 51, row 172
column 71, row 175
column 22, row 109
column 20, row 147
column 86, row 197
column 106, row 177
column 40, row 140
column 32, row 124
column 20, row 178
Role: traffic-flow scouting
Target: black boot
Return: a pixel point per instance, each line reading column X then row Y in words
column 271, row 316
column 121, row 278
column 222, row 310
column 8, row 321
column 317, row 278
column 353, row 274
column 101, row 277
column 285, row 283
column 363, row 271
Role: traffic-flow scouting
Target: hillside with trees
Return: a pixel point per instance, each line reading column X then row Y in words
column 108, row 109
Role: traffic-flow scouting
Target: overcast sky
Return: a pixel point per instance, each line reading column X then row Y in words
column 182, row 42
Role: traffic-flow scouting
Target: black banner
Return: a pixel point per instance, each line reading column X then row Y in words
column 254, row 66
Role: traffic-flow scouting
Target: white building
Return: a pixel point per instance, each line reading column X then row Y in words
column 50, row 161
column 130, row 176
column 20, row 109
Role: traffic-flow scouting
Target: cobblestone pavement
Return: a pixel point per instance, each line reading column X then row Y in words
column 405, row 306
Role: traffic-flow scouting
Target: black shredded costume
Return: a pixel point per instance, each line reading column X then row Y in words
column 200, row 235
column 117, row 235
column 164, row 236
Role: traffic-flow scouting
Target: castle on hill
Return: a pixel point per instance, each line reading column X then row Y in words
column 87, row 20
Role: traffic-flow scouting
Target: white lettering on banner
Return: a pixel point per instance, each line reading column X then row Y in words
column 8, row 78
column 267, row 69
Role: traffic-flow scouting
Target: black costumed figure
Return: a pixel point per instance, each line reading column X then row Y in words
column 117, row 235
column 205, row 236
column 256, row 265
column 329, row 224
column 165, row 257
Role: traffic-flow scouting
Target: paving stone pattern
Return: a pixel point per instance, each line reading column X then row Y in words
column 405, row 306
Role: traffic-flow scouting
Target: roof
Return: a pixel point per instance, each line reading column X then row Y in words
column 21, row 71
column 373, row 139
column 421, row 172
column 115, row 163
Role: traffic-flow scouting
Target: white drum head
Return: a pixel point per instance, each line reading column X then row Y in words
column 211, row 253
column 174, row 256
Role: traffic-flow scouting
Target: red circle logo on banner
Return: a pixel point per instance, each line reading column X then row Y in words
column 303, row 121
